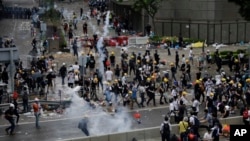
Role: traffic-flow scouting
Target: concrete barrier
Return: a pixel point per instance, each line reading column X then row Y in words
column 148, row 134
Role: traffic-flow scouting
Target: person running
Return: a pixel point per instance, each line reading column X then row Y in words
column 9, row 115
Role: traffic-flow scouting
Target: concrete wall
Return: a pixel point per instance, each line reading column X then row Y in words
column 147, row 134
column 198, row 10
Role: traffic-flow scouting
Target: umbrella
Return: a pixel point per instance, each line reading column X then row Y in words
column 83, row 125
column 36, row 75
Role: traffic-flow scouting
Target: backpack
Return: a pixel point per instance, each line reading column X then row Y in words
column 196, row 122
column 245, row 114
column 166, row 129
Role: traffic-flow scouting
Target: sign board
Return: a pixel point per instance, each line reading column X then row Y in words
column 137, row 40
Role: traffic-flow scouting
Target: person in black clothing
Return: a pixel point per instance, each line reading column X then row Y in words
column 16, row 110
column 218, row 63
column 63, row 72
column 9, row 115
column 157, row 57
column 181, row 111
column 112, row 59
column 177, row 59
column 5, row 76
column 151, row 94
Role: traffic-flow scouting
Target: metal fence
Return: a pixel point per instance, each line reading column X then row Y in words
column 213, row 32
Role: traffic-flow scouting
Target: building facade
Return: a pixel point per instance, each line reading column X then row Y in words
column 212, row 20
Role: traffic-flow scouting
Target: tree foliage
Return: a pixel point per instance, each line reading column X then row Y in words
column 150, row 6
column 244, row 8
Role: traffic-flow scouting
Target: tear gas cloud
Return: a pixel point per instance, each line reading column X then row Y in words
column 99, row 121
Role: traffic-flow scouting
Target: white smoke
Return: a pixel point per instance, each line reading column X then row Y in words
column 99, row 121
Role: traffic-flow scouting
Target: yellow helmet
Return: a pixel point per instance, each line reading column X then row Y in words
column 130, row 92
column 155, row 62
column 116, row 80
column 187, row 61
column 231, row 82
column 138, row 61
column 148, row 79
column 95, row 80
column 32, row 72
column 211, row 94
column 184, row 93
column 236, row 61
column 165, row 80
column 200, row 80
column 76, row 71
column 223, row 79
column 152, row 77
column 171, row 64
column 248, row 80
column 239, row 85
column 197, row 81
column 125, row 74
column 112, row 53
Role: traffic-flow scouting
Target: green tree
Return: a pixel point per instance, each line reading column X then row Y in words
column 150, row 6
column 244, row 8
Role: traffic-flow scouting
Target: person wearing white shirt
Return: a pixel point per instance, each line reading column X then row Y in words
column 109, row 75
column 174, row 92
column 196, row 105
column 190, row 55
column 208, row 135
column 76, row 67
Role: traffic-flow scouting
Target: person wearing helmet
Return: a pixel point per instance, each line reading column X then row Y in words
column 9, row 115
column 112, row 59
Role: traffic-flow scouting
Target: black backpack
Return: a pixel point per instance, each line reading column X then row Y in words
column 166, row 129
column 196, row 122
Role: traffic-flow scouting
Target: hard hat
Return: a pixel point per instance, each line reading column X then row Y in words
column 95, row 80
column 63, row 64
column 32, row 72
column 155, row 62
column 223, row 79
column 187, row 61
column 211, row 94
column 171, row 64
column 200, row 79
column 138, row 61
column 76, row 71
column 236, row 61
column 148, row 79
column 197, row 81
column 231, row 82
column 152, row 76
column 227, row 107
column 248, row 80
column 130, row 92
column 132, row 56
column 184, row 93
column 116, row 80
column 239, row 85
column 36, row 99
column 165, row 80
column 50, row 70
column 112, row 52
column 125, row 74
column 12, row 105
